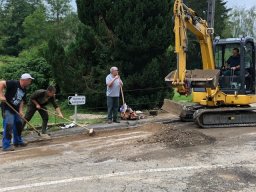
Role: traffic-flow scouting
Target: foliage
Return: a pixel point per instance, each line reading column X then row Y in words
column 38, row 68
column 133, row 35
column 7, row 60
column 221, row 19
column 30, row 23
column 65, row 30
column 221, row 13
column 182, row 98
column 34, row 52
column 74, row 71
column 56, row 57
column 69, row 28
column 77, row 50
column 36, row 29
column 62, row 22
column 243, row 22
column 58, row 9
column 26, row 23
column 12, row 20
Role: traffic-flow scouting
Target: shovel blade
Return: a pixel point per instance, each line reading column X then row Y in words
column 91, row 132
column 45, row 136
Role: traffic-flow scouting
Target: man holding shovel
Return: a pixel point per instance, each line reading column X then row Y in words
column 38, row 101
column 12, row 110
column 113, row 83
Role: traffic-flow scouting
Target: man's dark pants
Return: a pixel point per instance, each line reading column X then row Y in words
column 44, row 115
column 12, row 124
column 113, row 104
column 229, row 73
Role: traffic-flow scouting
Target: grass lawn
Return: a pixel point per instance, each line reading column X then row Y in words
column 182, row 98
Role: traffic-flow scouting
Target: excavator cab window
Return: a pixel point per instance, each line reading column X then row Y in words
column 242, row 78
column 249, row 65
column 227, row 56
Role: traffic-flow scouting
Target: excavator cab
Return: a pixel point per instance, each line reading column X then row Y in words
column 242, row 79
column 222, row 94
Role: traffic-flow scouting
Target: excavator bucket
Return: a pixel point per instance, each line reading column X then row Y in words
column 194, row 79
column 198, row 78
column 173, row 107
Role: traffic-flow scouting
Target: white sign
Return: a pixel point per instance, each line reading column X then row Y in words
column 76, row 100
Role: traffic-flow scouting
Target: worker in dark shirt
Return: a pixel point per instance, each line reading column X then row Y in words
column 38, row 101
column 13, row 93
column 233, row 63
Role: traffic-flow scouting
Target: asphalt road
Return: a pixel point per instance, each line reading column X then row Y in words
column 115, row 161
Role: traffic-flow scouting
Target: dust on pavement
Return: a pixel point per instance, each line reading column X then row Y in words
column 115, row 161
column 222, row 179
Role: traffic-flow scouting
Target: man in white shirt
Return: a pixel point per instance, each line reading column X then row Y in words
column 113, row 83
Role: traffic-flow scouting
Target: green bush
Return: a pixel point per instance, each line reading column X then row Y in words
column 13, row 68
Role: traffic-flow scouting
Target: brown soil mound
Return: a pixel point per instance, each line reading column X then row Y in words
column 176, row 137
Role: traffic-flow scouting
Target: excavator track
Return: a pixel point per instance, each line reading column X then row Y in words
column 225, row 117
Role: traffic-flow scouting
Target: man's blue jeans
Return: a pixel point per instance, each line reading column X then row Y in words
column 12, row 124
column 113, row 104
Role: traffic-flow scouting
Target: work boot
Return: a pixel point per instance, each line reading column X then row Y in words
column 116, row 121
column 45, row 133
column 24, row 144
column 109, row 121
column 11, row 148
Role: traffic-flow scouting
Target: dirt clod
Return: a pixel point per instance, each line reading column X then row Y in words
column 176, row 137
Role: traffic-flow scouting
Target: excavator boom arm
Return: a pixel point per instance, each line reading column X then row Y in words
column 186, row 19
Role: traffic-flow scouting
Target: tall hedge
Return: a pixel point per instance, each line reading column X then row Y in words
column 131, row 34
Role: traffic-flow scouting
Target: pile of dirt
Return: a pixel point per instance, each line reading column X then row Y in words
column 177, row 137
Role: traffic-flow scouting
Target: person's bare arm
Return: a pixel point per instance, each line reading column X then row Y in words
column 35, row 95
column 2, row 87
column 59, row 112
column 225, row 65
column 21, row 108
column 236, row 67
column 121, row 82
column 110, row 84
column 36, row 103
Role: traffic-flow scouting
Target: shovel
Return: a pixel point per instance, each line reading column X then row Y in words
column 90, row 131
column 124, row 106
column 45, row 136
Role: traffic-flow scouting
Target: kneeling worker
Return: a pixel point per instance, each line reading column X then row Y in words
column 38, row 101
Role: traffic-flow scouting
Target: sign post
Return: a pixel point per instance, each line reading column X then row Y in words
column 75, row 113
column 76, row 100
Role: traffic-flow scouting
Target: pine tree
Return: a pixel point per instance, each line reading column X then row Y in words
column 133, row 35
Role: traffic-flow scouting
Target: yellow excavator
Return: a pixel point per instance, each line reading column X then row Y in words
column 222, row 95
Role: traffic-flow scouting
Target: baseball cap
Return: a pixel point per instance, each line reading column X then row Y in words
column 26, row 76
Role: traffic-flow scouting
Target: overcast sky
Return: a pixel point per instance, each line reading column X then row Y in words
column 73, row 2
column 241, row 3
